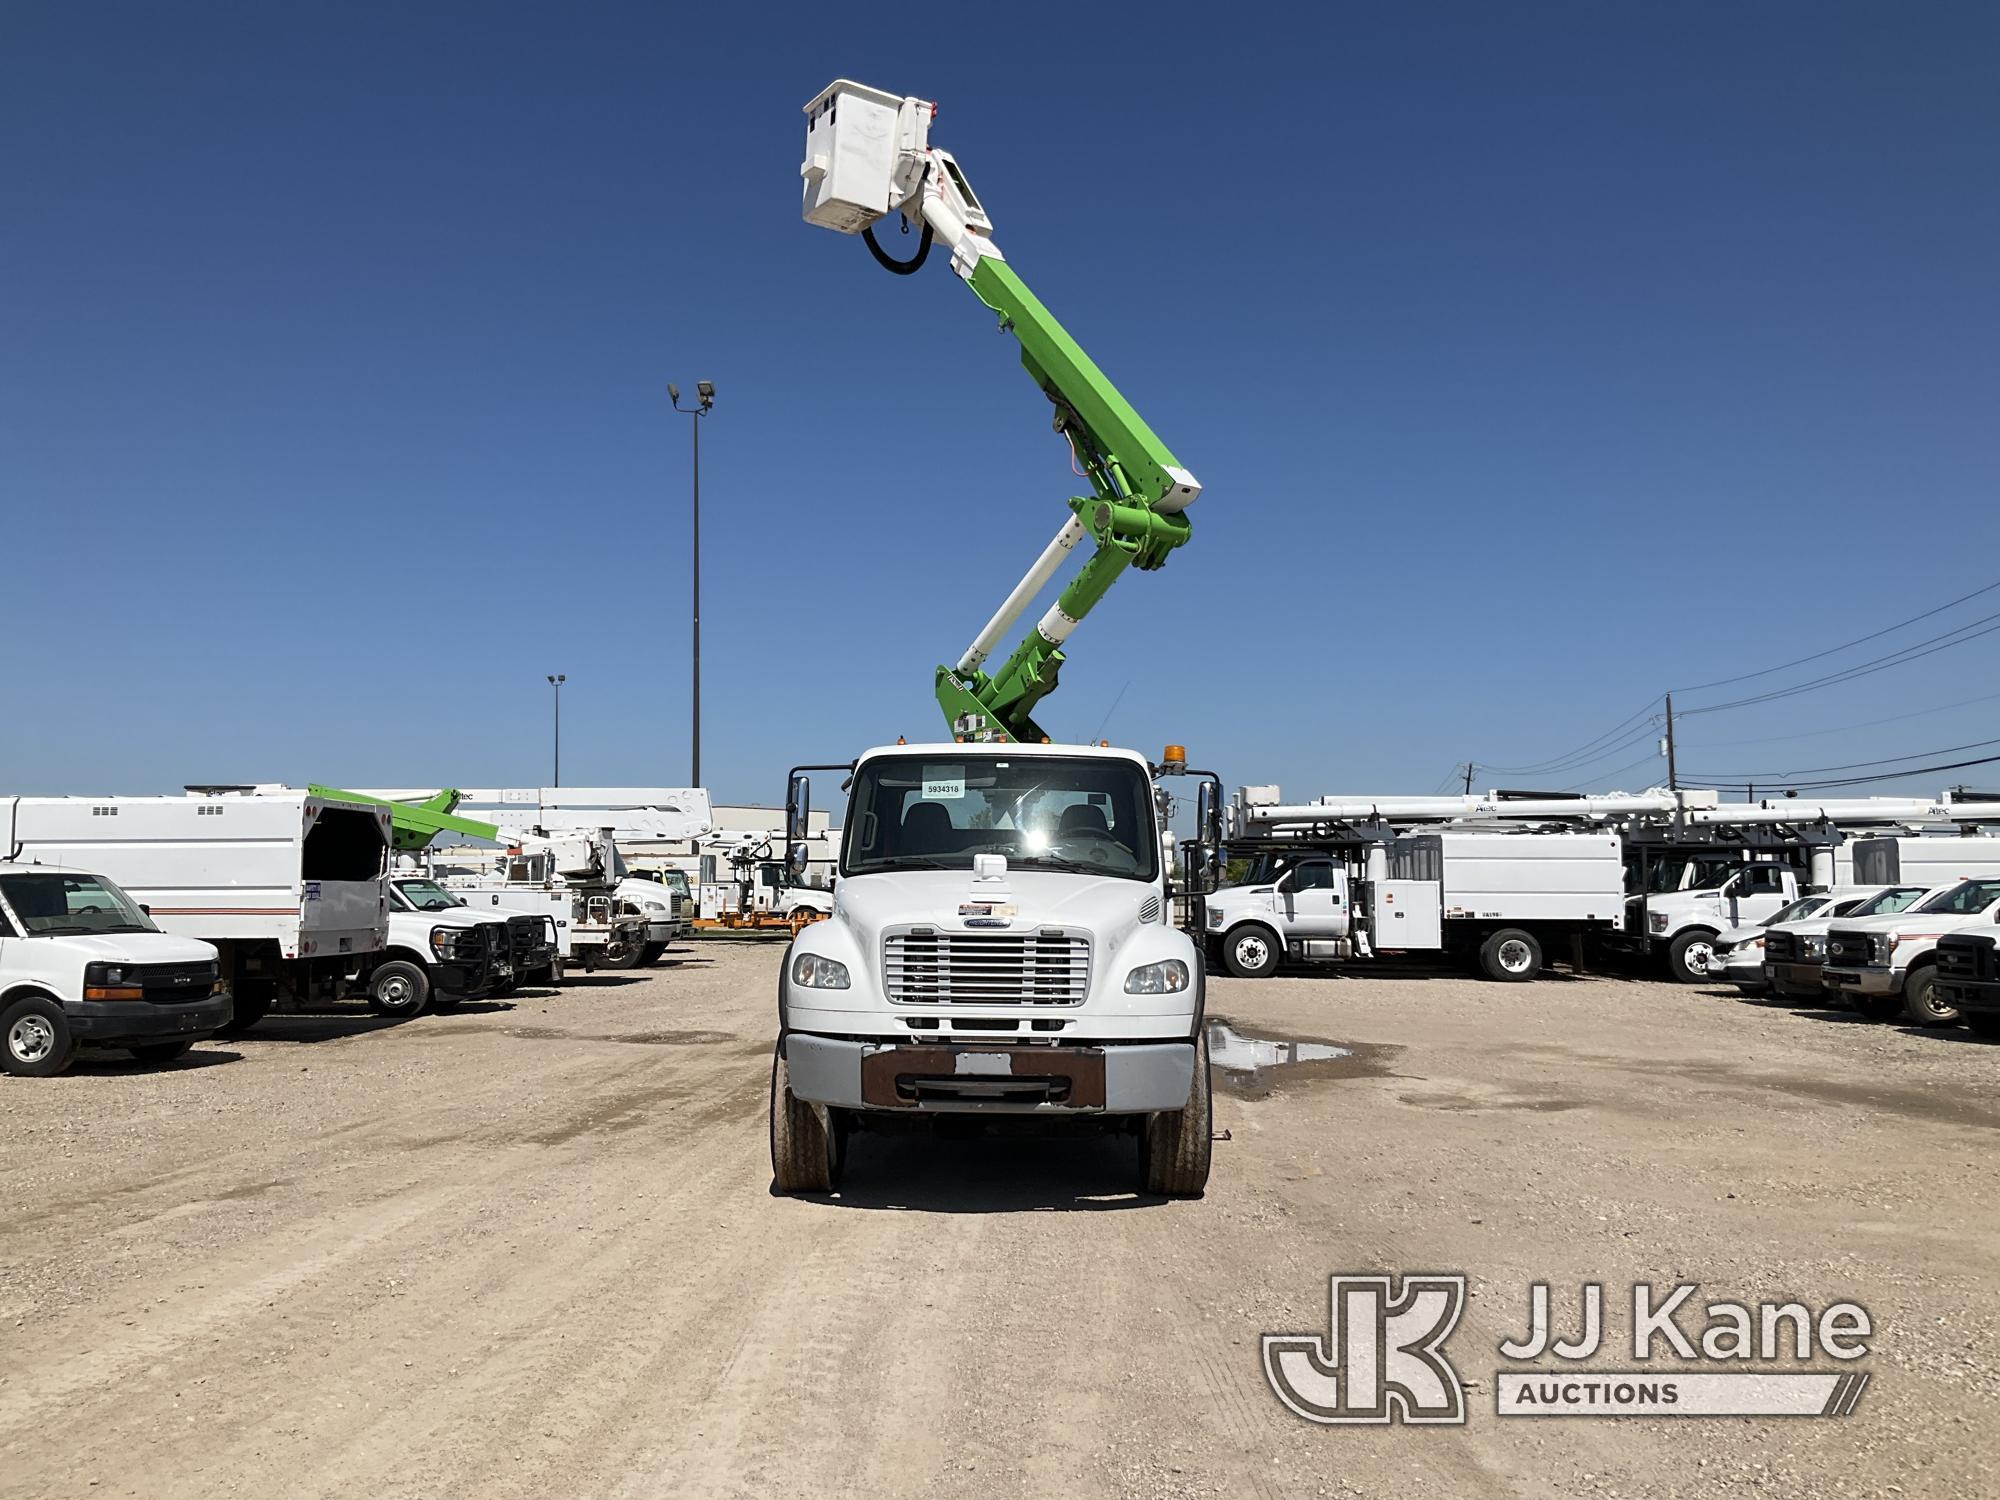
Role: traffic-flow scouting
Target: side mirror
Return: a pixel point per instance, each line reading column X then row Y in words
column 1208, row 819
column 145, row 910
column 798, row 814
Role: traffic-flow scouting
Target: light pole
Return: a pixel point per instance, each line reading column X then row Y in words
column 556, row 680
column 704, row 399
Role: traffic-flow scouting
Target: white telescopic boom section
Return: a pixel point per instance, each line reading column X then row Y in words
column 1363, row 809
column 1851, row 811
column 1024, row 592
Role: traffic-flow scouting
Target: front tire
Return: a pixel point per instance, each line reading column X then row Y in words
column 399, row 989
column 1175, row 1147
column 1251, row 951
column 650, row 954
column 1511, row 956
column 622, row 953
column 1691, row 956
column 806, row 1147
column 35, row 1039
column 1921, row 1003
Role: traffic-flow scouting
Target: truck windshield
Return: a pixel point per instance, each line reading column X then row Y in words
column 427, row 895
column 1043, row 812
column 1963, row 899
column 1805, row 906
column 1889, row 902
column 59, row 905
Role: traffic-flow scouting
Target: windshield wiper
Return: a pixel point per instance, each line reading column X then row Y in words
column 920, row 862
column 1056, row 862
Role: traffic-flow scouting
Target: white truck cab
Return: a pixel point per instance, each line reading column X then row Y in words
column 440, row 951
column 1889, row 963
column 1684, row 925
column 999, row 944
column 82, row 965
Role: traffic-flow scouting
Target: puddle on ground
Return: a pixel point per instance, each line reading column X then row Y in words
column 1251, row 1064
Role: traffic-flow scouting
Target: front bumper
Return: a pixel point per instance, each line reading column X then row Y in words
column 112, row 1022
column 1873, row 980
column 1974, row 996
column 1746, row 972
column 663, row 930
column 1796, row 978
column 990, row 1077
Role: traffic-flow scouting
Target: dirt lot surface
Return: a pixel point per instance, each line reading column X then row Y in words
column 531, row 1250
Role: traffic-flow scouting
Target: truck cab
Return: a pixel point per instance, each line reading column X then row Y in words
column 82, row 965
column 440, row 951
column 1683, row 924
column 1793, row 948
column 999, row 945
column 1301, row 904
column 1887, row 964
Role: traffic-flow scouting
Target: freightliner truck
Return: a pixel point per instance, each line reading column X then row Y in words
column 999, row 941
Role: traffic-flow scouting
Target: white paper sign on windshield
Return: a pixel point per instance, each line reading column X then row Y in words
column 944, row 783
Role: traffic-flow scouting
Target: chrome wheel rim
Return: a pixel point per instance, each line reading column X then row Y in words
column 1252, row 952
column 31, row 1039
column 1700, row 958
column 1514, row 956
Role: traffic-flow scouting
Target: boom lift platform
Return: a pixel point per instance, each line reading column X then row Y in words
column 868, row 155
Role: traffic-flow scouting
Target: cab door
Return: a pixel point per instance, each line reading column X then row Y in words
column 1314, row 900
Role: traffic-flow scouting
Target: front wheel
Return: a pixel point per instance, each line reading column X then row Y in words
column 1175, row 1146
column 1691, row 956
column 399, row 988
column 1921, row 1001
column 1511, row 955
column 622, row 953
column 1251, row 952
column 806, row 1147
column 35, row 1039
column 650, row 954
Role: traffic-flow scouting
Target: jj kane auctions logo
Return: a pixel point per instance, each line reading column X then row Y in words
column 1382, row 1358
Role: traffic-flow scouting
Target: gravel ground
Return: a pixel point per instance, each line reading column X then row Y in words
column 530, row 1249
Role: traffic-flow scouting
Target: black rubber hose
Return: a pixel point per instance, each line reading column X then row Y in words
column 899, row 267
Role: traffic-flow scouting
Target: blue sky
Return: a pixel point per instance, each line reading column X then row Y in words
column 1535, row 359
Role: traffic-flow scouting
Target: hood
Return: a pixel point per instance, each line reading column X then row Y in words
column 1107, row 907
column 1818, row 926
column 136, row 948
column 453, row 916
column 1748, row 934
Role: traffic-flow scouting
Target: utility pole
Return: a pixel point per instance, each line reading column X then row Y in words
column 1673, row 779
column 556, row 680
column 1468, row 768
column 705, row 399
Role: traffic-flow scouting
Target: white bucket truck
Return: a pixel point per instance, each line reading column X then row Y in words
column 999, row 945
column 291, row 888
column 83, row 965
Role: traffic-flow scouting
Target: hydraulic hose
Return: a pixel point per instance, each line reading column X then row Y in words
column 889, row 263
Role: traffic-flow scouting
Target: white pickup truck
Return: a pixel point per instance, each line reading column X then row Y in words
column 1886, row 964
column 82, row 965
column 1792, row 951
column 999, row 945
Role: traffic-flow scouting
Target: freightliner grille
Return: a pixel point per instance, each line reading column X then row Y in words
column 986, row 968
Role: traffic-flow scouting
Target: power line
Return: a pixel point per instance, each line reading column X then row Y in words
column 1836, row 650
column 1808, row 734
column 1787, row 776
column 1822, row 786
column 1644, row 760
column 1898, row 658
column 1554, row 761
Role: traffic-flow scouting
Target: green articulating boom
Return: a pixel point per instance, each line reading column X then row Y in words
column 414, row 824
column 1134, row 517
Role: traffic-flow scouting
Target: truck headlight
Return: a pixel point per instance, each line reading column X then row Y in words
column 810, row 971
column 1168, row 977
column 1658, row 920
column 654, row 906
column 111, row 982
column 445, row 940
column 1215, row 917
column 1813, row 947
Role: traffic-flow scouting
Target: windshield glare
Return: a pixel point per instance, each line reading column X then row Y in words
column 1963, row 899
column 59, row 905
column 1888, row 903
column 1805, row 906
column 427, row 895
column 1040, row 811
